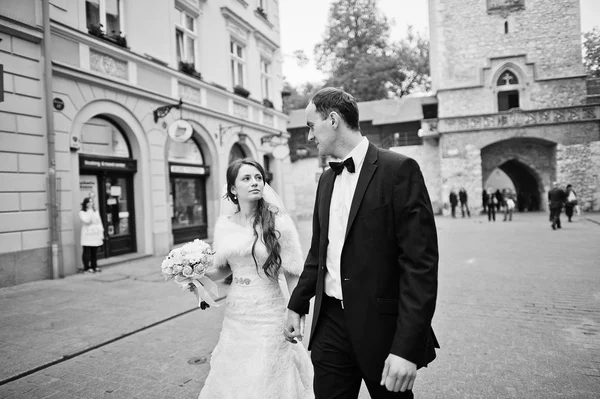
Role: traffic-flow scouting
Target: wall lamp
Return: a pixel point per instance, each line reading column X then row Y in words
column 163, row 111
column 225, row 129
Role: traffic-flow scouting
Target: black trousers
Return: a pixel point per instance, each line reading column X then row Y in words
column 491, row 213
column 337, row 373
column 464, row 205
column 569, row 211
column 89, row 256
column 453, row 207
column 555, row 216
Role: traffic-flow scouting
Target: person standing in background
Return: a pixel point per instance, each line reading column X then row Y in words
column 491, row 204
column 464, row 204
column 453, row 201
column 92, row 235
column 484, row 200
column 509, row 205
column 571, row 202
column 499, row 199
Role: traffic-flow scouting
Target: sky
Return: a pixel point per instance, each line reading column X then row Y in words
column 302, row 24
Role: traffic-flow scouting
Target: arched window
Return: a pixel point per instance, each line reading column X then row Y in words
column 507, row 98
column 186, row 152
column 99, row 136
column 237, row 152
column 507, row 78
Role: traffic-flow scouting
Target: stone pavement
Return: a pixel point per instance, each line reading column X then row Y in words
column 518, row 316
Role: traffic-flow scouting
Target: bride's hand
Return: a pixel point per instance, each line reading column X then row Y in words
column 294, row 328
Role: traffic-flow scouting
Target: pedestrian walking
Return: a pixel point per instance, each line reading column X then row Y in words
column 556, row 200
column 372, row 264
column 492, row 201
column 509, row 205
column 499, row 199
column 571, row 202
column 92, row 235
column 453, row 198
column 484, row 200
column 464, row 204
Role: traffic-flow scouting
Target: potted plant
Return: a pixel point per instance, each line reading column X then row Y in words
column 240, row 91
column 261, row 12
column 267, row 103
column 189, row 69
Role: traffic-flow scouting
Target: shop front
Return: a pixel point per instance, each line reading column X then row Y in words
column 106, row 174
column 187, row 191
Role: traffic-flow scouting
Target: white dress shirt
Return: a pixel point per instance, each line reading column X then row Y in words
column 341, row 200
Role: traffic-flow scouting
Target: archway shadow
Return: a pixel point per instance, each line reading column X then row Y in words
column 526, row 184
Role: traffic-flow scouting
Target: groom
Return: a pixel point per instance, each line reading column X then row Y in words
column 372, row 263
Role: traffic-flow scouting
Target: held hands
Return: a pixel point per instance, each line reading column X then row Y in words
column 398, row 374
column 294, row 327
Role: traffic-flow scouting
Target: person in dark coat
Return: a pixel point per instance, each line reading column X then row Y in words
column 570, row 201
column 556, row 199
column 453, row 202
column 492, row 201
column 484, row 200
column 499, row 199
column 463, row 198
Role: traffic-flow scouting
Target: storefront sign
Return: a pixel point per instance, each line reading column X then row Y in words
column 101, row 163
column 180, row 130
column 281, row 151
column 189, row 170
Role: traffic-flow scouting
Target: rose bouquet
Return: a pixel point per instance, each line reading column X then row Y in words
column 187, row 266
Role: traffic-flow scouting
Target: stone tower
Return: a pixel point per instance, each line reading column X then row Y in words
column 511, row 91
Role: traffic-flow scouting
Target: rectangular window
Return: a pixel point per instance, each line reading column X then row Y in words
column 237, row 63
column 265, row 78
column 185, row 35
column 107, row 15
column 508, row 100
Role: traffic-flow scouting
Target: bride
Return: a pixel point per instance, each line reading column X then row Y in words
column 257, row 242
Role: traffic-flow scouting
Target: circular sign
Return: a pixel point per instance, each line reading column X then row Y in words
column 281, row 151
column 180, row 130
column 58, row 104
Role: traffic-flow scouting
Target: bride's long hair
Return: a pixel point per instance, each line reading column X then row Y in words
column 264, row 216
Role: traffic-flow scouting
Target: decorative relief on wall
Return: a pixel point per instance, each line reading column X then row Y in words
column 240, row 110
column 520, row 118
column 189, row 94
column 108, row 65
column 505, row 5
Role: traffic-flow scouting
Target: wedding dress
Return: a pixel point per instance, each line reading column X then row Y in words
column 252, row 358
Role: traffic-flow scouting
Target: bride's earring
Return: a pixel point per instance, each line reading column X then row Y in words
column 235, row 197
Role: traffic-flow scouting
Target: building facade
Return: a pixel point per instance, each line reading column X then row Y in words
column 147, row 103
column 511, row 95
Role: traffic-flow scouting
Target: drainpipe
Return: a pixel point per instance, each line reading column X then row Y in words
column 52, row 180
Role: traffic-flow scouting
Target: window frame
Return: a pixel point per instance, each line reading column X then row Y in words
column 265, row 78
column 187, row 35
column 237, row 62
column 102, row 12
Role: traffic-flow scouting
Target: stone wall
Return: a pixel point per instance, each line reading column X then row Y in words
column 532, row 31
column 579, row 165
column 428, row 158
column 462, row 169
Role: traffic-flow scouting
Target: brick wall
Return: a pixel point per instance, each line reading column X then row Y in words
column 24, row 218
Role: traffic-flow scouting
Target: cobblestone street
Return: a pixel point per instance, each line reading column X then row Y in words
column 518, row 316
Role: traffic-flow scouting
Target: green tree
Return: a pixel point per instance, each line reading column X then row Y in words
column 591, row 46
column 299, row 96
column 358, row 56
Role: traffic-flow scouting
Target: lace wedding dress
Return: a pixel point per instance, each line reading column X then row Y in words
column 252, row 358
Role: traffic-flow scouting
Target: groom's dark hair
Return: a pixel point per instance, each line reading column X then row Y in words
column 331, row 99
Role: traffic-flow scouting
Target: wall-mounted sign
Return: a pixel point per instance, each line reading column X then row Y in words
column 87, row 162
column 281, row 151
column 58, row 104
column 180, row 130
column 188, row 169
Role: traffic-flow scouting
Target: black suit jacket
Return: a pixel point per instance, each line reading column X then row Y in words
column 389, row 262
column 556, row 197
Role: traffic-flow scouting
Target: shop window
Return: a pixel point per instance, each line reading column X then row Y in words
column 186, row 152
column 100, row 136
column 237, row 152
column 188, row 201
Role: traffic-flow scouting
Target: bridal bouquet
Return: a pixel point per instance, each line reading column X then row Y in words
column 187, row 266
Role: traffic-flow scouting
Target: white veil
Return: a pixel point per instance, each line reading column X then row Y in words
column 271, row 197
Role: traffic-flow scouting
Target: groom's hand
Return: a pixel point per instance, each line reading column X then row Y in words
column 294, row 328
column 398, row 374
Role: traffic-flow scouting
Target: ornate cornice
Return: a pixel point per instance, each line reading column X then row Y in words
column 520, row 119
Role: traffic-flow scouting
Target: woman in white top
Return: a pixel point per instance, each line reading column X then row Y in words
column 92, row 235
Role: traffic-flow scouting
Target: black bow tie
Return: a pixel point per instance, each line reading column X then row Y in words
column 338, row 167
